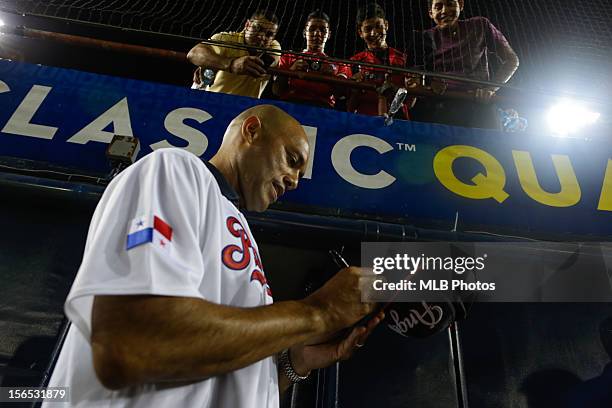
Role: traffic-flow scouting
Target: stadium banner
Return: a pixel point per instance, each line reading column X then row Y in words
column 410, row 172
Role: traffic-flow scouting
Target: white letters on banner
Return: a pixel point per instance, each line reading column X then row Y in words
column 118, row 115
column 483, row 186
column 341, row 160
column 21, row 121
column 4, row 87
column 175, row 124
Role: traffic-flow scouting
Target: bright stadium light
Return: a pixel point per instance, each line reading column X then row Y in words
column 569, row 117
column 1, row 22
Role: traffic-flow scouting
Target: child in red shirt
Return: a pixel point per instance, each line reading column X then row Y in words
column 372, row 27
column 316, row 32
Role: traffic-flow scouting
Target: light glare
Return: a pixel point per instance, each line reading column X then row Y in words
column 569, row 117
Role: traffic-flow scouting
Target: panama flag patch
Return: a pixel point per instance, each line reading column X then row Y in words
column 144, row 230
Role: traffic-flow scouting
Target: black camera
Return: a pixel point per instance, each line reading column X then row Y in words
column 314, row 65
column 368, row 74
column 317, row 66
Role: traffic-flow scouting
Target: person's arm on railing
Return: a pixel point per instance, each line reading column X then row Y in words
column 507, row 58
column 214, row 57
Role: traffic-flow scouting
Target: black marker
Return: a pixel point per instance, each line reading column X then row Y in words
column 341, row 263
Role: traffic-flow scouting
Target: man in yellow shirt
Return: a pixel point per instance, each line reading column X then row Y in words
column 238, row 70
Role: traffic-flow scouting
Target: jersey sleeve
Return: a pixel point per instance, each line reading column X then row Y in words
column 145, row 235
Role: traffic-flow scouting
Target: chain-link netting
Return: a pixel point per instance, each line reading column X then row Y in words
column 563, row 45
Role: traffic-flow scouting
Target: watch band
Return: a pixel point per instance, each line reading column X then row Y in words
column 287, row 366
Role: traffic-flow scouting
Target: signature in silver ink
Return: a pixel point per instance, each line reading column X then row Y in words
column 430, row 317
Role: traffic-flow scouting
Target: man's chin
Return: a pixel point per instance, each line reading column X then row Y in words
column 446, row 23
column 260, row 206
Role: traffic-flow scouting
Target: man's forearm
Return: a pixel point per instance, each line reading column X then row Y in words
column 203, row 56
column 144, row 339
column 504, row 73
column 507, row 69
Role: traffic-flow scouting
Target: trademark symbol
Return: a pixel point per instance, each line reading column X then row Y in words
column 406, row 147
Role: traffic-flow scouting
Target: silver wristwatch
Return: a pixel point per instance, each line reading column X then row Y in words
column 287, row 366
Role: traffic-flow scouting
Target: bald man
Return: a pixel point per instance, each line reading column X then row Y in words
column 171, row 306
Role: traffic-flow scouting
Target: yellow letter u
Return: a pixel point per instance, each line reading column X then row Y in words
column 569, row 194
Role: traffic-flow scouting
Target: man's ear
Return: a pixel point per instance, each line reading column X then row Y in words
column 251, row 129
column 386, row 25
column 247, row 24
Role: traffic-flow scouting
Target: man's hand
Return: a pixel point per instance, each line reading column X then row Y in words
column 311, row 357
column 412, row 81
column 339, row 305
column 327, row 68
column 438, row 86
column 340, row 298
column 357, row 77
column 248, row 65
column 483, row 94
column 299, row 65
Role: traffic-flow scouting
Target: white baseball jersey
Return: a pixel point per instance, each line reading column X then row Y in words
column 166, row 226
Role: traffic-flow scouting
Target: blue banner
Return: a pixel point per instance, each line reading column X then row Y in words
column 410, row 172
